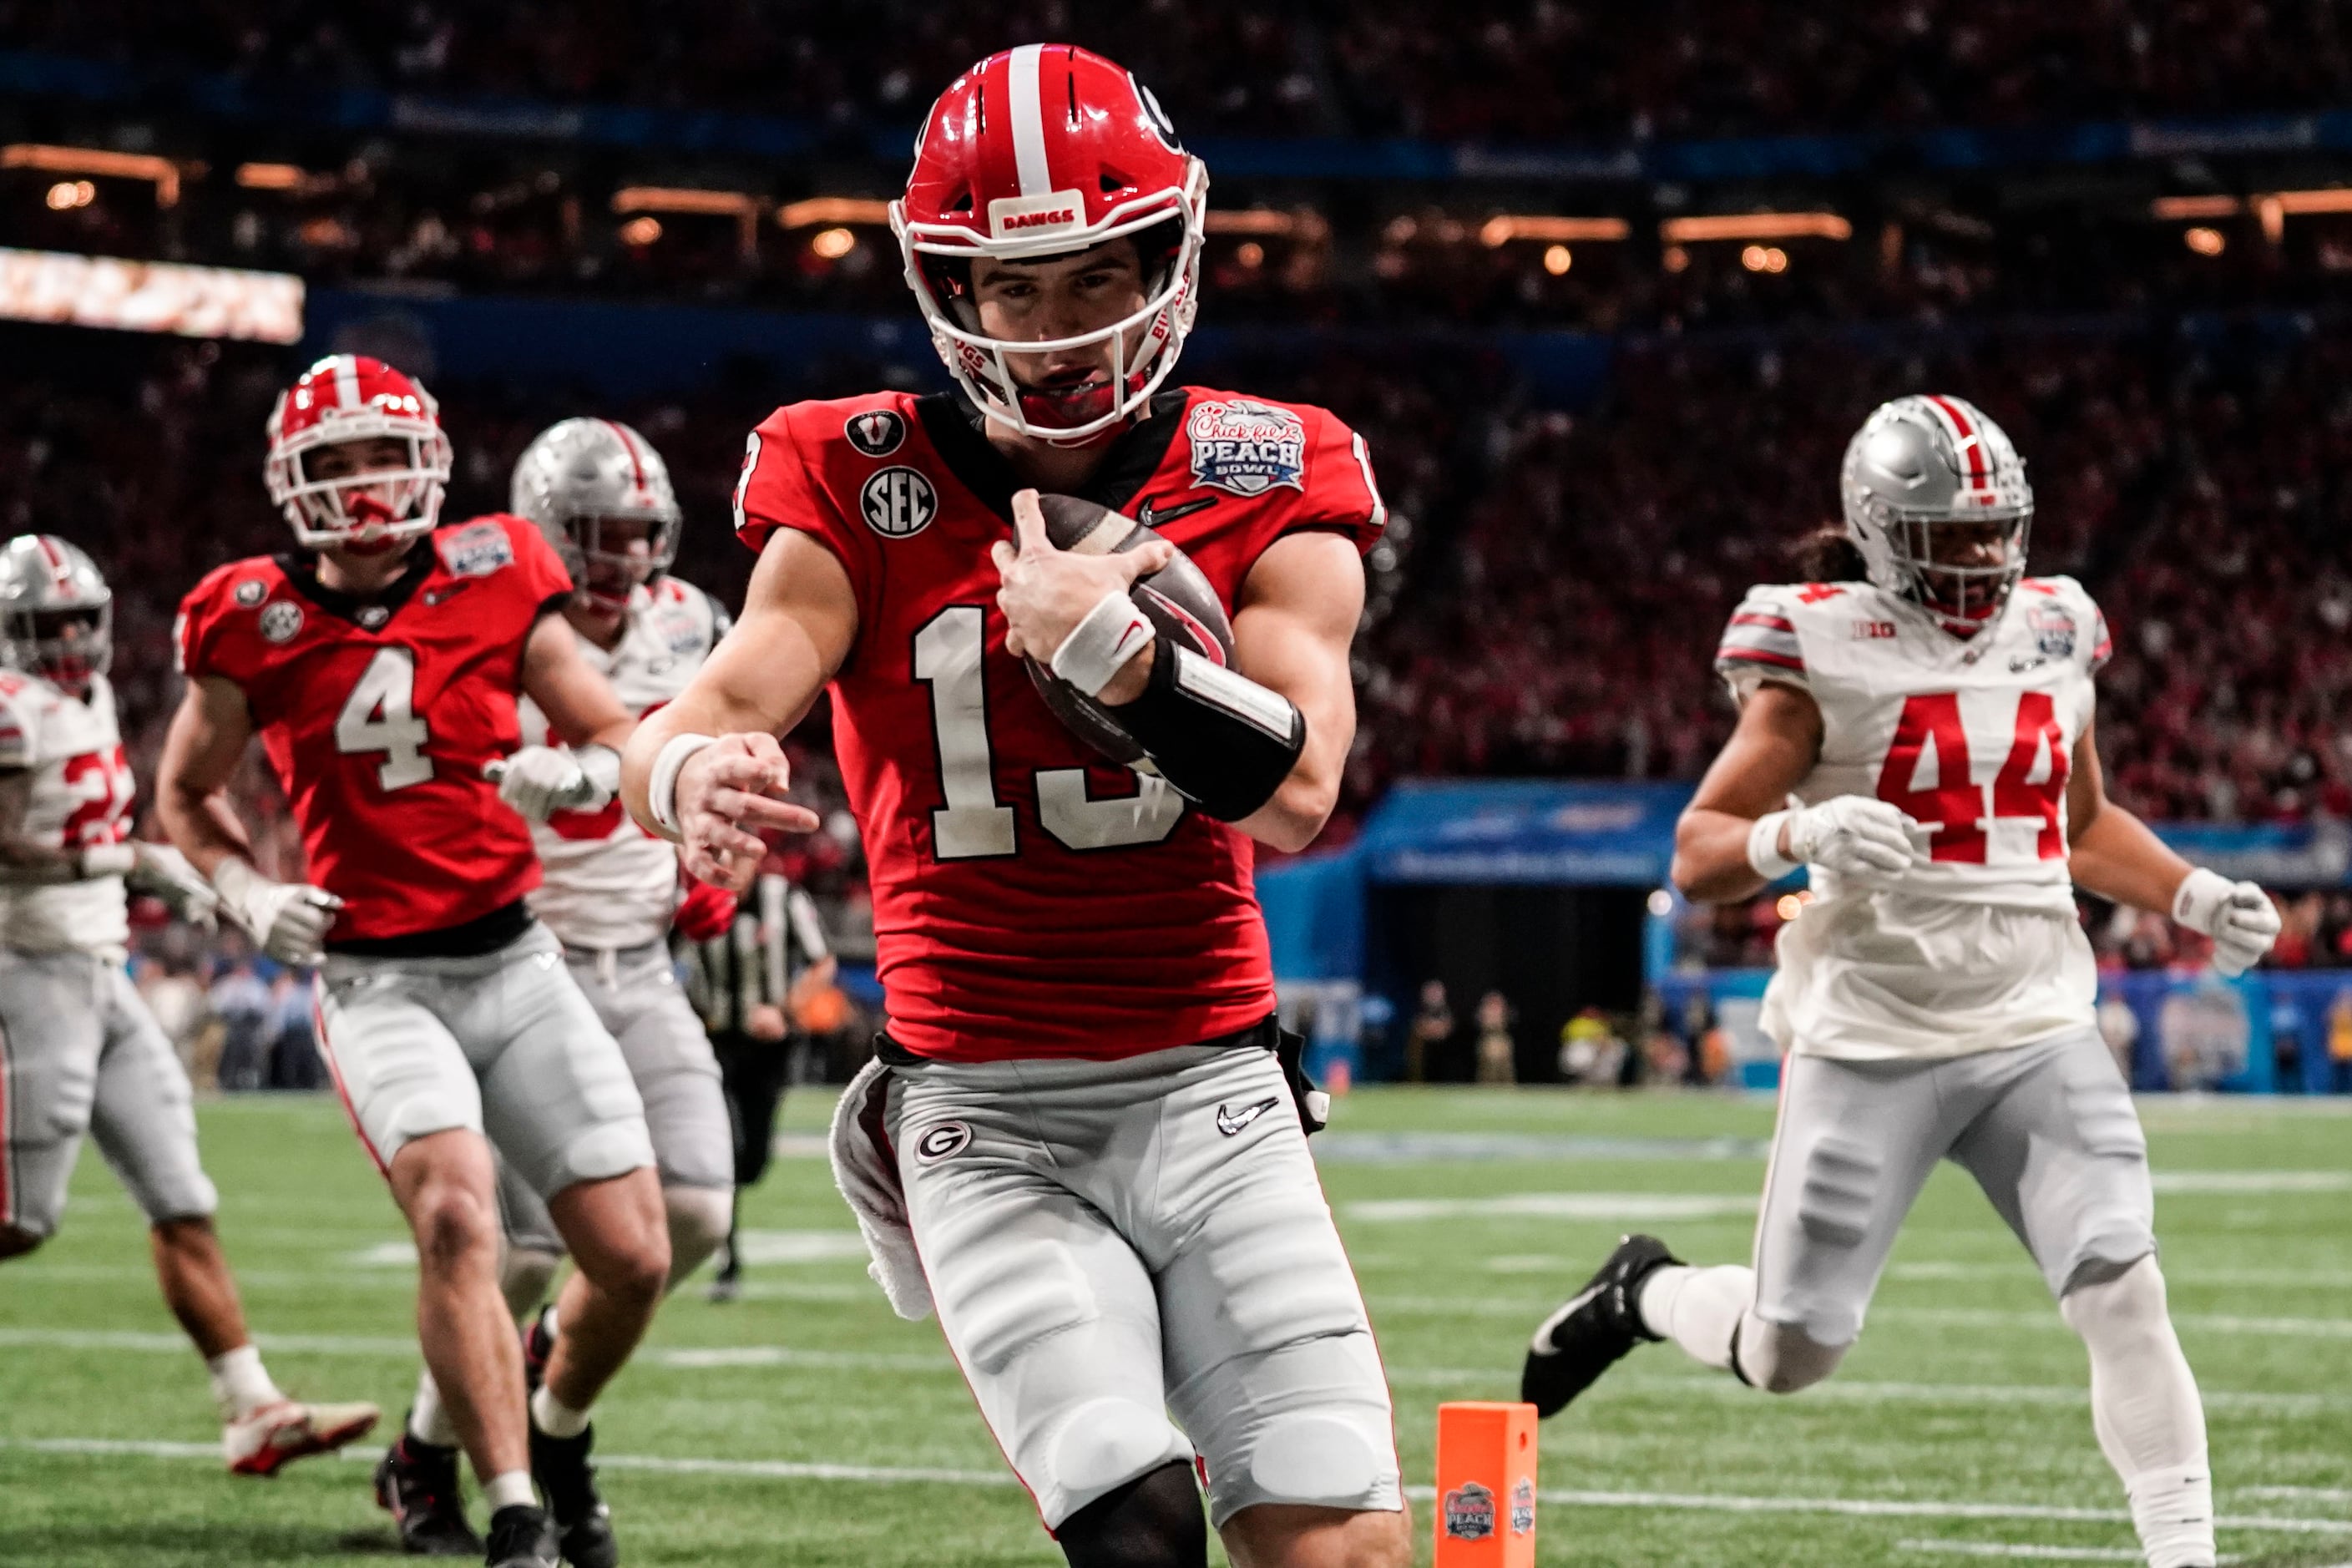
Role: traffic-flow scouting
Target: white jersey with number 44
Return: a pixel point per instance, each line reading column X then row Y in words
column 1977, row 946
column 82, row 791
column 607, row 883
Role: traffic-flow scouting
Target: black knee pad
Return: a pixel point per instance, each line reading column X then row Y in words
column 1153, row 1522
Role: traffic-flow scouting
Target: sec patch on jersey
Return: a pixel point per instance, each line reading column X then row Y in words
column 1178, row 600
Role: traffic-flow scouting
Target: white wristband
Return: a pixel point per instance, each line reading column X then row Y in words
column 1764, row 847
column 106, row 860
column 1098, row 647
column 661, row 790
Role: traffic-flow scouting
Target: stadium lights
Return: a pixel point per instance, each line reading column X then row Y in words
column 1505, row 227
column 2271, row 208
column 833, row 212
column 161, row 173
column 150, row 296
column 1755, row 225
column 743, row 207
column 270, row 177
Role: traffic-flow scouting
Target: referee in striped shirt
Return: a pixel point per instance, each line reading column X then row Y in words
column 747, row 983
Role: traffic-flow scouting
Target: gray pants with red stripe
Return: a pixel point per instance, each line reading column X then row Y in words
column 80, row 1055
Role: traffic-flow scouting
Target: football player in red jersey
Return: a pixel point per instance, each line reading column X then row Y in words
column 1078, row 1140
column 381, row 674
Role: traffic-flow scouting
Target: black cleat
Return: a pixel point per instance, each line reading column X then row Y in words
column 567, row 1482
column 416, row 1483
column 538, row 1347
column 523, row 1536
column 1597, row 1326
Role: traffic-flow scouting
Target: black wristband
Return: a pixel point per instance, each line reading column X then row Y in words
column 1222, row 739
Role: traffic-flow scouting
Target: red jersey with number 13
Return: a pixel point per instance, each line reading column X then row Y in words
column 1030, row 898
column 377, row 716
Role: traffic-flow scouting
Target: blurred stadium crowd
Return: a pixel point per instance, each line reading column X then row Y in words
column 1487, row 69
column 1559, row 560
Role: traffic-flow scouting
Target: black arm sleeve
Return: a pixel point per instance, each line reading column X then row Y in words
column 1221, row 738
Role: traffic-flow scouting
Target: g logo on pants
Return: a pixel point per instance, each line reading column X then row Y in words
column 941, row 1141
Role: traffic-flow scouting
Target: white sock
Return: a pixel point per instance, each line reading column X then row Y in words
column 428, row 1418
column 1698, row 1308
column 2145, row 1408
column 2172, row 1510
column 241, row 1383
column 511, row 1489
column 555, row 1418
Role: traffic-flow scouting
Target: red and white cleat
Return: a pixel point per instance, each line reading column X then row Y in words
column 275, row 1436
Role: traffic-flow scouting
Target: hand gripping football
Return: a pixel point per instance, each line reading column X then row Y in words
column 1184, row 609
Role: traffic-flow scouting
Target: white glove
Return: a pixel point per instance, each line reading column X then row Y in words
column 287, row 919
column 1851, row 835
column 166, row 872
column 2238, row 916
column 539, row 781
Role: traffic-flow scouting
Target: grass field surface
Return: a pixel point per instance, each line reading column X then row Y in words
column 804, row 1424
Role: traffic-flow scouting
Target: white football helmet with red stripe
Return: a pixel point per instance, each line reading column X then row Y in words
column 1936, row 498
column 1039, row 151
column 577, row 476
column 56, row 614
column 350, row 397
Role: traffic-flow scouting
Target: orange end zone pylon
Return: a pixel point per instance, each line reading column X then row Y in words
column 1486, row 1485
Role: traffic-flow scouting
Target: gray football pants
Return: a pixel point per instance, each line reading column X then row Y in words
column 502, row 1044
column 2047, row 1129
column 636, row 997
column 1113, row 1243
column 80, row 1053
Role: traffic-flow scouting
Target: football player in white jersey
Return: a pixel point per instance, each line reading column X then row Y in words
column 1920, row 737
column 609, row 891
column 79, row 1053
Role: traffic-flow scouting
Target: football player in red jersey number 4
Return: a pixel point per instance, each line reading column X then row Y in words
column 380, row 667
column 1919, row 735
column 1077, row 1140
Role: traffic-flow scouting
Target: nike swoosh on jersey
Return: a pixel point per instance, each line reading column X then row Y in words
column 1152, row 518
column 1230, row 1122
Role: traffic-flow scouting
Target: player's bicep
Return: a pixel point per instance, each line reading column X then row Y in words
column 207, row 738
column 1777, row 742
column 1296, row 621
column 2086, row 785
column 579, row 703
column 798, row 624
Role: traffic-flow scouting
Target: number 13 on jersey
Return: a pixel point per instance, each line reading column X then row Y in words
column 1945, row 793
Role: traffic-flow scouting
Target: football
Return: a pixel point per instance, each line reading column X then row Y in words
column 1184, row 609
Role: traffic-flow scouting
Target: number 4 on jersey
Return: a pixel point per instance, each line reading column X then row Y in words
column 379, row 715
column 1956, row 805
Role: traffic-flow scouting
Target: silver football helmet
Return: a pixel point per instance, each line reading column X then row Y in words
column 1936, row 498
column 580, row 478
column 56, row 614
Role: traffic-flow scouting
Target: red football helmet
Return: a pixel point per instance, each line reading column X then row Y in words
column 1042, row 151
column 350, row 397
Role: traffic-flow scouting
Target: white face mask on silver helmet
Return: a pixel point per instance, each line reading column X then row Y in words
column 1936, row 498
column 581, row 476
column 56, row 614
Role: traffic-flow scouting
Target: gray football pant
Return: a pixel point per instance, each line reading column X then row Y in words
column 1113, row 1243
column 80, row 1053
column 502, row 1044
column 636, row 995
column 2047, row 1129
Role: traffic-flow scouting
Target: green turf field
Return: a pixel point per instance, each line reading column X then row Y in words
column 807, row 1425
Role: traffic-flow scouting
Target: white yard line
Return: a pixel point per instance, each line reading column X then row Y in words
column 785, row 1469
column 2031, row 1553
column 705, row 1358
column 1943, row 1317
